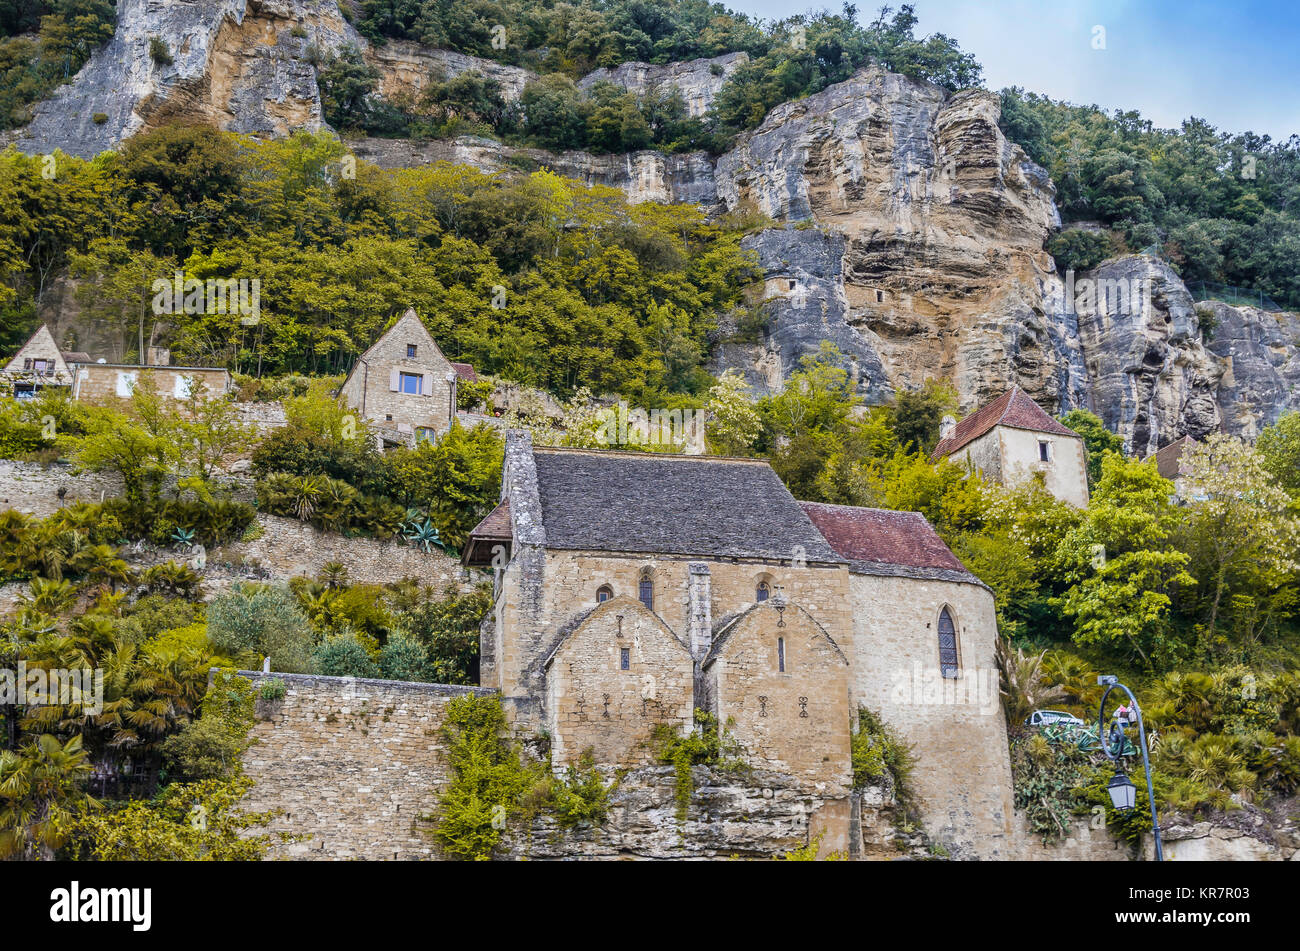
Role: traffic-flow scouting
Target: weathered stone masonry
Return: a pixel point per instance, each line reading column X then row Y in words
column 352, row 762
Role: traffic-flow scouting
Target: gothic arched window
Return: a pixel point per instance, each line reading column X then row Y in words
column 763, row 591
column 646, row 590
column 947, row 645
column 604, row 593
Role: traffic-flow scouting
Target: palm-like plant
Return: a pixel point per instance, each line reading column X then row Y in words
column 40, row 788
column 1024, row 685
column 306, row 494
column 423, row 536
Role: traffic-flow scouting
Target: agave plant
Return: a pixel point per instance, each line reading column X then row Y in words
column 183, row 537
column 423, row 536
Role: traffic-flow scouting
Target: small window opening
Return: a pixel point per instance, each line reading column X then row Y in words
column 1044, row 451
column 880, row 297
column 780, row 654
column 604, row 593
column 625, row 658
column 763, row 591
column 646, row 591
column 410, row 350
column 947, row 645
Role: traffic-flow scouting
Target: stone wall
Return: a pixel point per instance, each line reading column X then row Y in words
column 594, row 703
column 956, row 728
column 1065, row 473
column 352, row 763
column 32, row 488
column 103, row 383
column 780, row 686
column 288, row 547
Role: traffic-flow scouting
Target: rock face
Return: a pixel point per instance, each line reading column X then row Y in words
column 642, row 176
column 905, row 228
column 237, row 65
column 698, row 80
column 911, row 236
column 918, row 235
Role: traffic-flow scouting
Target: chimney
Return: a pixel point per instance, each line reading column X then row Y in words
column 158, row 357
column 946, row 426
column 699, row 606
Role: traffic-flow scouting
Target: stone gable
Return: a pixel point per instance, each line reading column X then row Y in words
column 403, row 386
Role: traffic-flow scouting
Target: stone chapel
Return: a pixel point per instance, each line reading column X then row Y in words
column 631, row 589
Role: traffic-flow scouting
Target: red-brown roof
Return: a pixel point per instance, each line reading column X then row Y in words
column 876, row 540
column 487, row 534
column 1013, row 408
column 465, row 372
column 1169, row 460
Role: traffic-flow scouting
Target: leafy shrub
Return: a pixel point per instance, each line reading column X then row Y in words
column 705, row 745
column 343, row 655
column 159, row 51
column 403, row 658
column 1077, row 249
column 490, row 782
column 261, row 620
column 582, row 796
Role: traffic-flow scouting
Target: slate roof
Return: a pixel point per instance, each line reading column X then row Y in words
column 1013, row 408
column 705, row 506
column 1169, row 460
column 76, row 356
column 882, row 542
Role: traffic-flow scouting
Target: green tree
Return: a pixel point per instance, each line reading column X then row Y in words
column 1097, row 440
column 1124, row 567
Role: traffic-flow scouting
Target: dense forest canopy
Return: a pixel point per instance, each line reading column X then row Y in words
column 1221, row 207
column 533, row 277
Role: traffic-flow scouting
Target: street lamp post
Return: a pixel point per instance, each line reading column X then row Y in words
column 1123, row 794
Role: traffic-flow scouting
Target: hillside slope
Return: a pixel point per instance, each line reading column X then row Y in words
column 908, row 230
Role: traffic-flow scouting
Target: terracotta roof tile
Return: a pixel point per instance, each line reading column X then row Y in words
column 879, row 541
column 465, row 372
column 1013, row 408
column 1169, row 460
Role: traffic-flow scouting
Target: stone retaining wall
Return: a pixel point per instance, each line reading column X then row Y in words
column 353, row 763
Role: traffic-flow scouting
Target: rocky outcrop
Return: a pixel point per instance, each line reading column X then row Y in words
column 906, row 229
column 918, row 240
column 642, row 176
column 698, row 80
column 240, row 65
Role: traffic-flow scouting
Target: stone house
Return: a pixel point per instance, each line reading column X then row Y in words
column 403, row 387
column 1169, row 463
column 1012, row 439
column 101, row 382
column 787, row 617
column 39, row 363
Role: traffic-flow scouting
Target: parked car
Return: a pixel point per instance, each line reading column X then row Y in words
column 1055, row 717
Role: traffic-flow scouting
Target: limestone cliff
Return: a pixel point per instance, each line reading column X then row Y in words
column 906, row 228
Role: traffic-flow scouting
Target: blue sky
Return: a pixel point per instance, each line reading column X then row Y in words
column 1236, row 65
